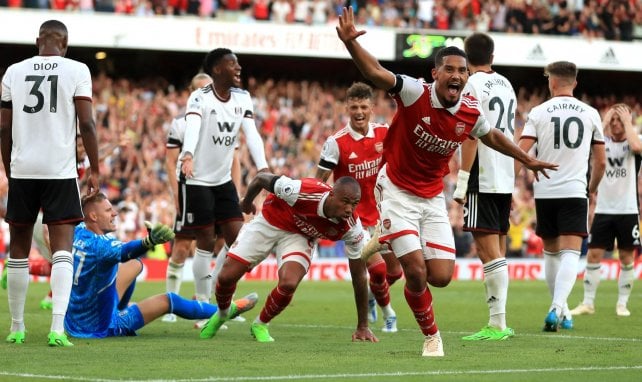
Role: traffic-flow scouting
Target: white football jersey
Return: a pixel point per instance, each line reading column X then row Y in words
column 492, row 171
column 175, row 137
column 220, row 125
column 41, row 91
column 618, row 190
column 564, row 128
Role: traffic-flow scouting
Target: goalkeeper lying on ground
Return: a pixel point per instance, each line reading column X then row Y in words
column 98, row 306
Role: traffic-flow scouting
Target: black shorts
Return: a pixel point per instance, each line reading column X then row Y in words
column 565, row 216
column 606, row 228
column 485, row 212
column 203, row 206
column 59, row 200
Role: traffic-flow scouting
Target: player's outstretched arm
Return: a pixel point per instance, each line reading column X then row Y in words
column 498, row 141
column 367, row 64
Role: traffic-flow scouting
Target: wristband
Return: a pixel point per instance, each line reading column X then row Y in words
column 462, row 185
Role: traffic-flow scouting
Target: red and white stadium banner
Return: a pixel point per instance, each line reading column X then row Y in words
column 333, row 269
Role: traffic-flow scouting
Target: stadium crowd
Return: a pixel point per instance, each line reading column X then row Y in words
column 294, row 119
column 609, row 19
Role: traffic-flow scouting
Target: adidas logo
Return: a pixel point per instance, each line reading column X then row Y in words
column 537, row 54
column 426, row 120
column 491, row 299
column 609, row 57
column 353, row 155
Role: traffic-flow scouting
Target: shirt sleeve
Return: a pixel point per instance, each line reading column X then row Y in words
column 529, row 127
column 287, row 189
column 598, row 130
column 355, row 240
column 6, row 86
column 83, row 85
column 410, row 89
column 329, row 157
column 482, row 127
column 193, row 117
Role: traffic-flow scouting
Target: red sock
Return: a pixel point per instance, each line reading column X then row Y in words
column 40, row 267
column 275, row 303
column 378, row 283
column 392, row 278
column 224, row 295
column 421, row 305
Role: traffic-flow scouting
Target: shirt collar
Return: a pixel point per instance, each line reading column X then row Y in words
column 320, row 207
column 357, row 136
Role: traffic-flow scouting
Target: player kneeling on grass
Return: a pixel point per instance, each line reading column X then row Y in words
column 295, row 215
column 99, row 303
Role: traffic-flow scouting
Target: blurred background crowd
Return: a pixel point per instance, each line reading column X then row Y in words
column 610, row 19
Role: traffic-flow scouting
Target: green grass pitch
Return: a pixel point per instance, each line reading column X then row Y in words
column 313, row 342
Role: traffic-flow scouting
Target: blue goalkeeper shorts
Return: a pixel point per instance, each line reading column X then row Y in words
column 126, row 322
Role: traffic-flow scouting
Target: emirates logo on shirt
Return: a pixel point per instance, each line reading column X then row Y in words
column 459, row 128
column 378, row 147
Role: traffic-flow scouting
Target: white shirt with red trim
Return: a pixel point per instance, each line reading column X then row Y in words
column 297, row 206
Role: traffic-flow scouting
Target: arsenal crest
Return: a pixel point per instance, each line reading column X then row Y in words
column 459, row 128
column 378, row 147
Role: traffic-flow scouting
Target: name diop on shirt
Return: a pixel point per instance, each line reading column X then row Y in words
column 434, row 144
column 565, row 106
column 364, row 169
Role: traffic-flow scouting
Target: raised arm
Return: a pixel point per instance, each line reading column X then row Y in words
column 367, row 64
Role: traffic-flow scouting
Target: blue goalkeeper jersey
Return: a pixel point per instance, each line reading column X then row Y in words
column 94, row 298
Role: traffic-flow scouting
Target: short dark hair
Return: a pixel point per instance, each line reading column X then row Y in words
column 359, row 90
column 347, row 183
column 53, row 26
column 92, row 199
column 479, row 47
column 448, row 51
column 213, row 58
column 562, row 69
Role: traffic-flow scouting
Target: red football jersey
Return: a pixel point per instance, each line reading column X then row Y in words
column 297, row 206
column 348, row 153
column 423, row 136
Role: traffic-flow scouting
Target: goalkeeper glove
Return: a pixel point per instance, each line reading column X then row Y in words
column 157, row 234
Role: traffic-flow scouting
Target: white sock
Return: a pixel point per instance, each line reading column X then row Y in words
column 17, row 284
column 174, row 277
column 496, row 282
column 592, row 277
column 202, row 274
column 388, row 311
column 625, row 283
column 220, row 260
column 62, row 272
column 566, row 276
column 551, row 266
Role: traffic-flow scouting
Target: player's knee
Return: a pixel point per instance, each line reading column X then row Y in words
column 439, row 281
column 377, row 272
